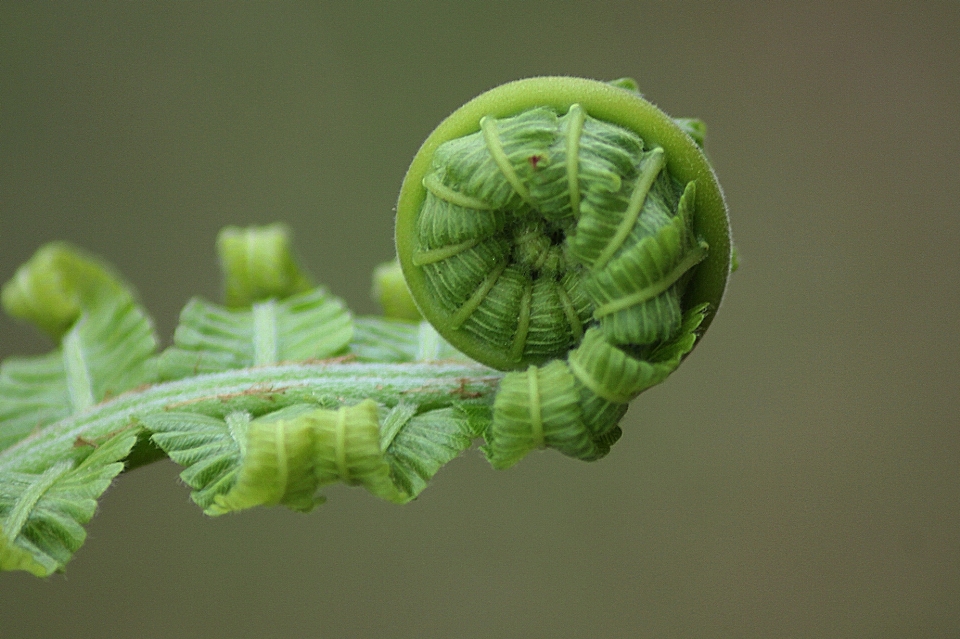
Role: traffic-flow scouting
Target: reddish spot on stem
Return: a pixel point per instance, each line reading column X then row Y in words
column 82, row 441
column 534, row 160
column 462, row 391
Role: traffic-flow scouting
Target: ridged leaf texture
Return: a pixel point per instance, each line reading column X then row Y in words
column 574, row 406
column 42, row 514
column 537, row 408
column 233, row 459
column 617, row 375
column 417, row 445
column 212, row 338
column 542, row 224
column 378, row 339
column 258, row 264
column 285, row 457
column 638, row 293
column 105, row 352
column 208, row 448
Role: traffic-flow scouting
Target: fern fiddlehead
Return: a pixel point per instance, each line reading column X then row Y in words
column 561, row 230
column 557, row 216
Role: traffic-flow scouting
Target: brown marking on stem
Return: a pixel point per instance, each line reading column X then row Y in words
column 340, row 359
column 130, row 391
column 462, row 391
column 261, row 388
column 82, row 441
column 266, row 391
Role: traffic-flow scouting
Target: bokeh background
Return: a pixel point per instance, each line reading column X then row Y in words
column 798, row 477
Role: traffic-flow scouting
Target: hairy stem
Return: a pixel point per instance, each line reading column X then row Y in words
column 257, row 391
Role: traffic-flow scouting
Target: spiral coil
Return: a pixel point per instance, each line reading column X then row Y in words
column 551, row 235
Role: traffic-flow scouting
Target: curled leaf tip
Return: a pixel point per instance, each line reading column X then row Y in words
column 54, row 286
column 12, row 557
column 694, row 127
column 390, row 290
column 288, row 455
column 258, row 263
column 628, row 84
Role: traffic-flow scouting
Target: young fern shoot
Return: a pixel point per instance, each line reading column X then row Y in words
column 566, row 242
column 558, row 226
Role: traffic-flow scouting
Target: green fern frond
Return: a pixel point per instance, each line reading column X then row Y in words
column 417, row 446
column 103, row 353
column 284, row 457
column 211, row 338
column 42, row 514
column 258, row 264
column 379, row 339
column 57, row 284
column 208, row 448
column 244, row 405
column 391, row 291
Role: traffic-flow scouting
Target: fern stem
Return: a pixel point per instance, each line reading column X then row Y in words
column 257, row 391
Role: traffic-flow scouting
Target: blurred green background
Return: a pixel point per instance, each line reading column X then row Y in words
column 798, row 477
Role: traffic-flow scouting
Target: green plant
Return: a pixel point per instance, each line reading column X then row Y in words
column 562, row 230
